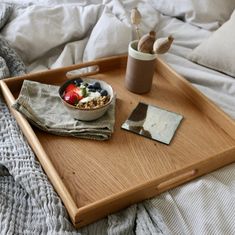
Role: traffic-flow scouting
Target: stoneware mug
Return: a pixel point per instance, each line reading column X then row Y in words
column 139, row 70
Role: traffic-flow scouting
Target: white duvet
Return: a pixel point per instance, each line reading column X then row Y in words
column 53, row 33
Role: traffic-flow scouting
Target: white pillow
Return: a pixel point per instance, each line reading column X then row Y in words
column 38, row 29
column 218, row 51
column 110, row 36
column 207, row 14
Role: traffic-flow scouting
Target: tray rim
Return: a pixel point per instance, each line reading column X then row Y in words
column 181, row 176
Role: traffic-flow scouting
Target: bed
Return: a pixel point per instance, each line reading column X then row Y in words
column 42, row 35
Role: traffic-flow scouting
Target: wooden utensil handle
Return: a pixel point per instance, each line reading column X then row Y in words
column 172, row 182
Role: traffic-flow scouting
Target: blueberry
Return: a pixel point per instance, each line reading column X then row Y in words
column 92, row 90
column 96, row 85
column 103, row 93
column 90, row 86
column 78, row 82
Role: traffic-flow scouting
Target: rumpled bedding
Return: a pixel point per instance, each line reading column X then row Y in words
column 52, row 33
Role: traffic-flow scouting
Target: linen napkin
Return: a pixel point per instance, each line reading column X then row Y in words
column 42, row 106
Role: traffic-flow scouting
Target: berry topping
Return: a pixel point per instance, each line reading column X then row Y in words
column 90, row 86
column 72, row 97
column 77, row 90
column 78, row 82
column 103, row 92
column 96, row 85
column 81, row 92
column 70, row 87
column 92, row 90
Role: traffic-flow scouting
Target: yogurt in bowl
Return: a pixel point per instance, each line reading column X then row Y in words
column 86, row 99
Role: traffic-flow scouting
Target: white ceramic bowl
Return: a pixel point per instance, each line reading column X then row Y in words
column 87, row 114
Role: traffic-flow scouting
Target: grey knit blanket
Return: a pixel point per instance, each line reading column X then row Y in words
column 28, row 202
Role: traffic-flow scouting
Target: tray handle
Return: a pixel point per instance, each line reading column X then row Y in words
column 94, row 67
column 83, row 71
column 177, row 180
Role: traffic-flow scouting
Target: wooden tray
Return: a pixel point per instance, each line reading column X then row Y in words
column 95, row 178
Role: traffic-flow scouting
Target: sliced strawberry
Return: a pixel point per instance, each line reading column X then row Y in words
column 77, row 90
column 70, row 87
column 71, row 97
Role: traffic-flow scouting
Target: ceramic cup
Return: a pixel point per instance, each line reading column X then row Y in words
column 140, row 70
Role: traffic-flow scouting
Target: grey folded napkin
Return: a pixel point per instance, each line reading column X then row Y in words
column 41, row 105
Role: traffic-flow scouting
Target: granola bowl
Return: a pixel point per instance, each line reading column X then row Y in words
column 86, row 99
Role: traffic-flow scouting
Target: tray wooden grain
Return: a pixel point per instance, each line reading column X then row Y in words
column 96, row 178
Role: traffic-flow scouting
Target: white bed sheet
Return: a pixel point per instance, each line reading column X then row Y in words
column 203, row 206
